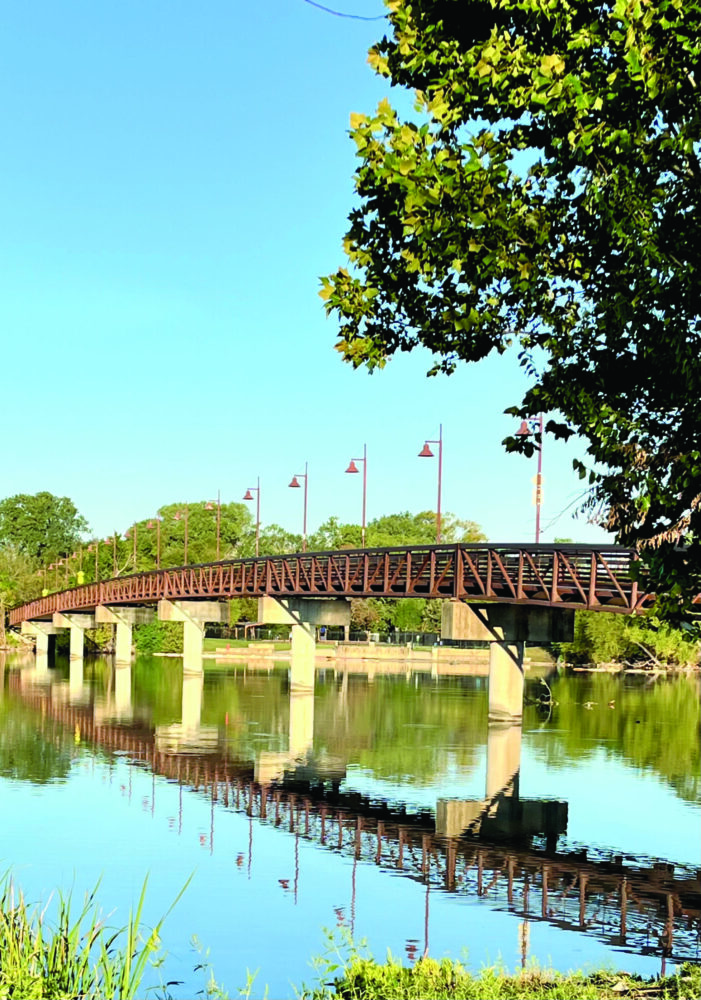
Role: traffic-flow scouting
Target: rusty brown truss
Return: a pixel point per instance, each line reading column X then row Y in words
column 565, row 576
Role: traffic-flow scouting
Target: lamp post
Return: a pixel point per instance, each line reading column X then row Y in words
column 180, row 516
column 528, row 427
column 352, row 467
column 210, row 506
column 96, row 546
column 248, row 495
column 295, row 484
column 128, row 534
column 157, row 522
column 427, row 453
column 114, row 552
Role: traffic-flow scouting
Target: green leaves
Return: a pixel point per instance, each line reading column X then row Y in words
column 548, row 193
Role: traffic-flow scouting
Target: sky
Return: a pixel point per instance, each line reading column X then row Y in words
column 174, row 180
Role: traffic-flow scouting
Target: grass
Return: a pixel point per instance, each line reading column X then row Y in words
column 347, row 973
column 73, row 956
column 82, row 959
column 428, row 979
column 211, row 644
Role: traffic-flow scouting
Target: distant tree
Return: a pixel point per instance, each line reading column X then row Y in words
column 20, row 580
column 367, row 614
column 41, row 525
column 408, row 612
column 420, row 529
column 333, row 534
column 275, row 541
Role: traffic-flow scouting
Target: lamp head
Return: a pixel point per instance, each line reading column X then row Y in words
column 352, row 467
column 524, row 430
column 295, row 484
column 248, row 495
column 426, row 451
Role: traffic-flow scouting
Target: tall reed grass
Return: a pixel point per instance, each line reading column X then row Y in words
column 68, row 956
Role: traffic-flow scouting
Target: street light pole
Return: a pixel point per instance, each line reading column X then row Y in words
column 210, row 506
column 114, row 552
column 427, row 453
column 248, row 495
column 134, row 537
column 158, row 539
column 295, row 485
column 352, row 467
column 527, row 428
column 178, row 517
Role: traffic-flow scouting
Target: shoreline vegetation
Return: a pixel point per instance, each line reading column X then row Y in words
column 44, row 958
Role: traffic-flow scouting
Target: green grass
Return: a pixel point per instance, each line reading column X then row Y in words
column 73, row 956
column 428, row 979
column 212, row 644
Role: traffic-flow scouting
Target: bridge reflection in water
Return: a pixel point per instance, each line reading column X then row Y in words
column 500, row 848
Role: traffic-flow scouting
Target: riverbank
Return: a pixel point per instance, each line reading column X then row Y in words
column 428, row 979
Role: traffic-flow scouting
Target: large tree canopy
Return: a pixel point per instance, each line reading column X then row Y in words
column 546, row 197
column 41, row 525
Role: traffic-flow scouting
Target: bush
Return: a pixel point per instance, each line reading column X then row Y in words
column 159, row 637
column 610, row 638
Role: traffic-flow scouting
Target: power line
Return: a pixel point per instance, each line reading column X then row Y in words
column 338, row 13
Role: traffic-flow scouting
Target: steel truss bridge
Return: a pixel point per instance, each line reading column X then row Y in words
column 597, row 578
column 647, row 907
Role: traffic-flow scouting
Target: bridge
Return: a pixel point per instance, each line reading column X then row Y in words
column 504, row 594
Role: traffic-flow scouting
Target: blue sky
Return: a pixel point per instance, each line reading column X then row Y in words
column 174, row 180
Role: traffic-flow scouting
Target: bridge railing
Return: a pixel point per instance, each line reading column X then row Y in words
column 570, row 576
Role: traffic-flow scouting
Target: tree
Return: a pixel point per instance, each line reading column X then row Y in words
column 20, row 580
column 546, row 199
column 420, row 529
column 43, row 526
column 275, row 541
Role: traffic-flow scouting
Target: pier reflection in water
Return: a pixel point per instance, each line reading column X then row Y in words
column 385, row 777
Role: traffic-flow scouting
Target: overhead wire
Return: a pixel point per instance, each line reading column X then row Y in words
column 338, row 13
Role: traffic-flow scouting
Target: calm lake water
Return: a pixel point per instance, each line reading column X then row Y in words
column 380, row 805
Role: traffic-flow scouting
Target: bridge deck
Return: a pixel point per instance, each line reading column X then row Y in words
column 597, row 578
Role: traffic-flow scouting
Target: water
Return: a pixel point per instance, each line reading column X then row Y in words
column 341, row 812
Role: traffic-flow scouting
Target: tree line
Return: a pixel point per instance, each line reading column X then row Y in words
column 45, row 546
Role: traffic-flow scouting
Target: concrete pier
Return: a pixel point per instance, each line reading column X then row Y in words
column 194, row 615
column 506, row 628
column 123, row 619
column 303, row 615
column 41, row 632
column 77, row 624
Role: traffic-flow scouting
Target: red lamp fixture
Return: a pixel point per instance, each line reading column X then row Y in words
column 296, row 485
column 353, row 468
column 427, row 453
column 248, row 495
